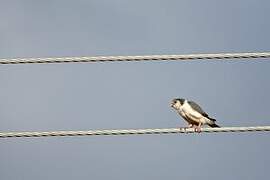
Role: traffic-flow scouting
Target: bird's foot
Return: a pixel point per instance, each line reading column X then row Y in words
column 198, row 129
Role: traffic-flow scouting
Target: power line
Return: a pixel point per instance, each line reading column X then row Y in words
column 217, row 56
column 132, row 132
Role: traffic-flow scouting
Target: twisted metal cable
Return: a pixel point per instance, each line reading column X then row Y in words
column 218, row 56
column 132, row 132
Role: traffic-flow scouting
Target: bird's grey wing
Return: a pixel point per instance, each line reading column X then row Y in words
column 196, row 107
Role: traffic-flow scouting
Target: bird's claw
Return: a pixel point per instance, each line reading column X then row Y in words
column 197, row 129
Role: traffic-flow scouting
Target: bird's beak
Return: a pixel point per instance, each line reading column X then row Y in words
column 172, row 104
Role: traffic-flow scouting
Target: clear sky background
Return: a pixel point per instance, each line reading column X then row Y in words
column 44, row 97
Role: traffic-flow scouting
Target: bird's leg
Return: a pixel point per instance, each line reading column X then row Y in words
column 198, row 128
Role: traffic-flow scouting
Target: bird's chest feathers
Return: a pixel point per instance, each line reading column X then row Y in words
column 187, row 111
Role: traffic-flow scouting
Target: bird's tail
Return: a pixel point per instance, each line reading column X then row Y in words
column 214, row 125
column 213, row 122
column 212, row 119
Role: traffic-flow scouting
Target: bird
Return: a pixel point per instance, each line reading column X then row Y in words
column 193, row 114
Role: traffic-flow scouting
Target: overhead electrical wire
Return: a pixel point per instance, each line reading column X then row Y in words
column 132, row 132
column 218, row 56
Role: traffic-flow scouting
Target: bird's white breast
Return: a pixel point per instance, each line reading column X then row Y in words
column 187, row 111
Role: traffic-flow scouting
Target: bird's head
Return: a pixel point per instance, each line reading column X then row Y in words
column 177, row 103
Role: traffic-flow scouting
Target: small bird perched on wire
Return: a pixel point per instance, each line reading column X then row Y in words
column 193, row 114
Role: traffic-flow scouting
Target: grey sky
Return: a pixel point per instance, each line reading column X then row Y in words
column 133, row 95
